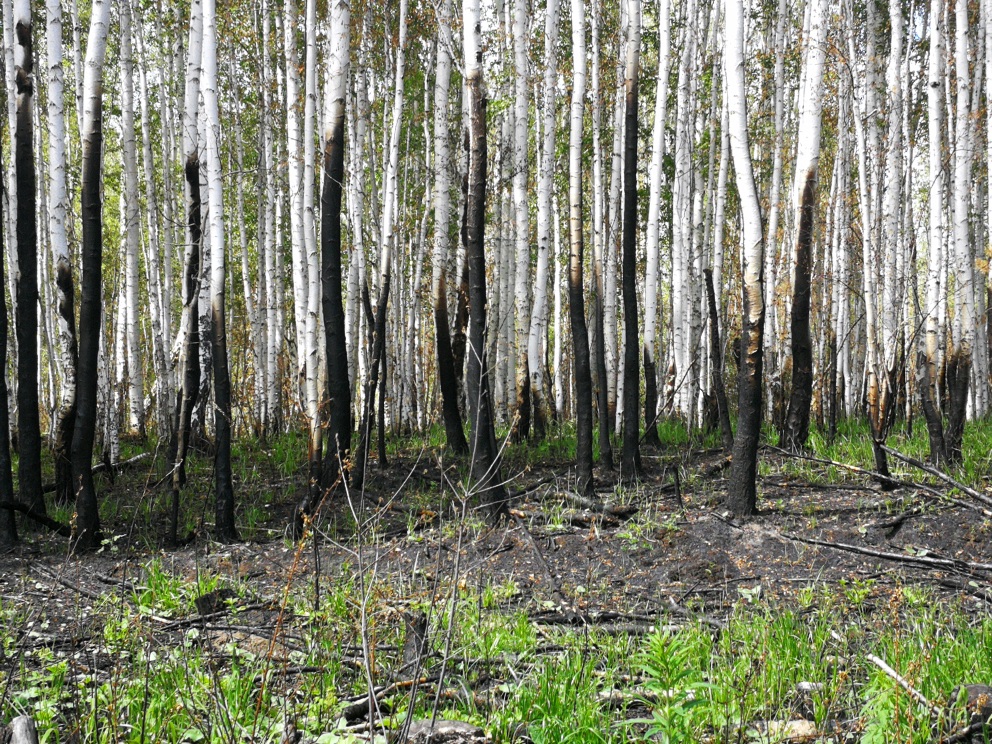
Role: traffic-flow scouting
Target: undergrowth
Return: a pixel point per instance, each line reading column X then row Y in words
column 138, row 665
column 767, row 670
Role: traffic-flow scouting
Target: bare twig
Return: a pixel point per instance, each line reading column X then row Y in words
column 977, row 495
column 921, row 560
column 888, row 479
column 904, row 684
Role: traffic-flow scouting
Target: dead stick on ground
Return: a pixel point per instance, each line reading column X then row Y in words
column 965, row 734
column 904, row 683
column 76, row 587
column 977, row 495
column 555, row 589
column 593, row 505
column 922, row 560
column 878, row 476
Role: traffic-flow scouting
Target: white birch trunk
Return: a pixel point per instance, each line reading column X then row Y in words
column 539, row 311
column 559, row 380
column 521, row 287
column 774, row 204
column 132, row 232
column 158, row 310
column 964, row 317
column 682, row 238
column 313, row 314
column 654, row 199
column 59, row 205
column 294, row 161
column 257, row 340
column 892, row 201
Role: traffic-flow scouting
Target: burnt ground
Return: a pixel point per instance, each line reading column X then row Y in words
column 664, row 549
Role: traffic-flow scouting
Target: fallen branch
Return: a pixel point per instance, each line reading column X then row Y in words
column 977, row 495
column 966, row 734
column 878, row 476
column 904, row 684
column 74, row 586
column 531, row 488
column 116, row 467
column 52, row 524
column 360, row 707
column 614, row 510
column 948, row 563
column 555, row 588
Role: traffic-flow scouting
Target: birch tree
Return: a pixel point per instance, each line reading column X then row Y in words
column 86, row 534
column 188, row 341
column 653, row 224
column 804, row 213
column 339, row 389
column 742, row 489
column 26, row 304
column 539, row 310
column 447, row 380
column 631, row 456
column 485, row 463
column 160, row 309
column 224, row 527
column 521, row 233
column 387, row 239
column 936, row 236
column 8, row 524
column 131, row 229
column 963, row 330
column 314, row 287
column 599, row 246
column 65, row 296
column 576, row 303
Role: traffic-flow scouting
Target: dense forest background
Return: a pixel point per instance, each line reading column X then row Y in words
column 545, row 213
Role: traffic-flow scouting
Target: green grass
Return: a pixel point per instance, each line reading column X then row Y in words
column 755, row 671
column 690, row 684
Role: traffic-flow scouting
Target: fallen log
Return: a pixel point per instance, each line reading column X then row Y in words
column 43, row 519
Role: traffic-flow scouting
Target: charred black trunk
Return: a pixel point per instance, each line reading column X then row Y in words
column 453, row 430
column 630, row 465
column 797, row 418
column 958, row 375
column 650, row 399
column 377, row 323
column 189, row 387
column 580, row 352
column 8, row 524
column 485, row 463
column 224, row 527
column 87, row 526
column 26, row 309
column 935, row 426
column 383, row 372
column 602, row 389
column 521, row 416
column 66, row 421
column 716, row 361
column 742, row 494
column 338, row 385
